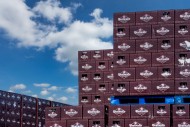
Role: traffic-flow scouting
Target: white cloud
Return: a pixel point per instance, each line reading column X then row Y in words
column 63, row 99
column 44, row 92
column 53, row 88
column 71, row 90
column 51, row 98
column 17, row 87
column 27, row 92
column 42, row 85
column 35, row 95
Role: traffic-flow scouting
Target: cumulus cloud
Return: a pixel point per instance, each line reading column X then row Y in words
column 71, row 90
column 44, row 92
column 51, row 98
column 34, row 95
column 18, row 21
column 63, row 99
column 43, row 85
column 53, row 88
column 17, row 87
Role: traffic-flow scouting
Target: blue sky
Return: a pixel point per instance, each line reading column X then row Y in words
column 39, row 41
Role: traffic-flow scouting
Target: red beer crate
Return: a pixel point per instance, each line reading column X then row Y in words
column 140, row 32
column 108, row 76
column 102, row 65
column 124, row 46
column 166, row 72
column 107, row 99
column 108, row 54
column 141, row 59
column 98, row 99
column 146, row 45
column 182, row 30
column 77, row 123
column 121, row 19
column 87, row 88
column 146, row 73
column 166, row 45
column 53, row 113
column 182, row 72
column 97, row 55
column 181, row 122
column 181, row 111
column 182, row 59
column 163, row 59
column 111, row 87
column 56, row 123
column 166, row 17
column 121, row 60
column 136, row 122
column 182, row 87
column 121, row 88
column 140, row 88
column 121, row 32
column 124, row 74
column 102, row 88
column 118, row 112
column 182, row 44
column 149, row 17
column 116, row 122
column 85, row 99
column 159, row 122
column 141, row 111
column 182, row 16
column 163, row 31
column 111, row 65
column 85, row 77
column 71, row 112
column 87, row 66
column 97, row 123
column 97, row 77
column 84, row 56
column 163, row 87
column 162, row 110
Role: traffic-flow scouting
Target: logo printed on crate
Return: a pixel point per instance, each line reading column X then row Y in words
column 180, row 112
column 161, row 112
column 162, row 59
column 185, row 73
column 86, row 67
column 97, row 56
column 84, row 57
column 56, row 125
column 124, row 47
column 84, row 101
column 124, row 74
column 140, row 32
column 185, row 44
column 121, row 89
column 183, row 88
column 124, row 19
column 111, row 54
column 115, row 125
column 141, row 111
column 184, row 124
column 140, row 88
column 146, row 74
column 93, row 112
column 162, row 31
column 166, row 74
column 101, row 67
column 166, row 46
column 97, row 78
column 71, row 112
column 102, row 89
column 183, row 31
column 97, row 100
column 166, row 18
column 77, row 125
column 185, row 16
column 135, row 124
column 162, row 87
column 158, row 124
column 140, row 60
column 146, row 46
column 52, row 114
column 96, row 125
column 84, row 79
column 86, row 89
column 146, row 18
column 120, row 34
column 111, row 76
column 121, row 61
column 119, row 111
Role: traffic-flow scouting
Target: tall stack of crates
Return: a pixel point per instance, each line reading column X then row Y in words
column 143, row 81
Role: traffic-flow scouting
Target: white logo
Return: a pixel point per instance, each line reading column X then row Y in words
column 166, row 46
column 111, row 76
column 185, row 16
column 121, row 61
column 141, row 111
column 84, row 79
column 115, row 125
column 124, row 74
column 86, row 67
column 166, row 18
column 111, row 54
column 96, row 125
column 121, row 89
column 162, row 59
column 135, row 124
column 185, row 73
column 56, row 125
column 97, row 78
column 140, row 60
column 184, row 124
column 119, row 111
column 97, row 100
column 124, row 19
column 140, row 88
column 77, row 125
column 162, row 31
column 93, row 112
column 163, row 87
column 158, row 124
column 161, row 112
column 96, row 56
column 146, row 74
column 84, row 57
column 180, row 112
column 146, row 18
column 71, row 112
column 146, row 46
column 86, row 89
column 183, row 31
column 166, row 74
column 120, row 34
column 140, row 32
column 102, row 89
column 123, row 47
column 183, row 88
column 101, row 67
column 52, row 114
column 185, row 44
column 84, row 101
